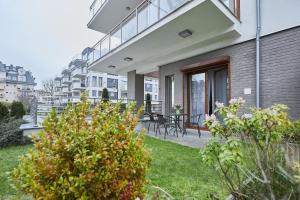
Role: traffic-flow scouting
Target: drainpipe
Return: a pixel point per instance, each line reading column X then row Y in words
column 258, row 30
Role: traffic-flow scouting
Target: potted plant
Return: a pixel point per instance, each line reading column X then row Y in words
column 177, row 109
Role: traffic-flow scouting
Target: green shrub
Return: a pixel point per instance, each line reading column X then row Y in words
column 17, row 109
column 4, row 113
column 250, row 158
column 148, row 103
column 105, row 96
column 76, row 159
column 10, row 134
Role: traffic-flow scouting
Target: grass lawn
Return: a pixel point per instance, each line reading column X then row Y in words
column 176, row 169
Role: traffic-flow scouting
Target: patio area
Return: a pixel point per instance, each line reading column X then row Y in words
column 191, row 139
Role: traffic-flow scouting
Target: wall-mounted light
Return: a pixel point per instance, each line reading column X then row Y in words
column 128, row 59
column 111, row 66
column 185, row 33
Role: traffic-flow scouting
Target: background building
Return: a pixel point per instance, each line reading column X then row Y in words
column 76, row 78
column 16, row 83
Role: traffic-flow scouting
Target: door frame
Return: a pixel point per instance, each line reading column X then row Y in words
column 202, row 67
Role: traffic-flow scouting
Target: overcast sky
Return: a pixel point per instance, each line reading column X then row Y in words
column 44, row 35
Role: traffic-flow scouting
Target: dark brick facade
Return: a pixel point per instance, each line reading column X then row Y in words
column 280, row 70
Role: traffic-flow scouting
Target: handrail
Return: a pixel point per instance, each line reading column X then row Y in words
column 134, row 15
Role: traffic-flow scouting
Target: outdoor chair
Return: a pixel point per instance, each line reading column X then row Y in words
column 192, row 121
column 152, row 120
column 165, row 123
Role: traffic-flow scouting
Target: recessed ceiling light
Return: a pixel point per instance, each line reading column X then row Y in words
column 128, row 8
column 111, row 66
column 185, row 33
column 128, row 59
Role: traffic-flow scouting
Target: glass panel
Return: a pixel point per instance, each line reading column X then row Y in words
column 129, row 28
column 115, row 39
column 230, row 4
column 105, row 46
column 143, row 17
column 96, row 52
column 153, row 12
column 221, row 86
column 167, row 6
column 197, row 99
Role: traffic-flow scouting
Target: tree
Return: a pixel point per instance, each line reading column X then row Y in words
column 105, row 96
column 49, row 86
column 3, row 111
column 17, row 109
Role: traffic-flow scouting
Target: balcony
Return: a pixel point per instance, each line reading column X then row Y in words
column 151, row 31
column 101, row 11
column 78, row 86
column 79, row 73
column 66, row 80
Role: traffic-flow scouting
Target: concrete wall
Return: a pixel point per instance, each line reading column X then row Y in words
column 280, row 74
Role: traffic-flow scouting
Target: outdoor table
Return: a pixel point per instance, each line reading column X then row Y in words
column 177, row 118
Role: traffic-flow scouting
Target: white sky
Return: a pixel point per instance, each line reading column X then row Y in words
column 44, row 35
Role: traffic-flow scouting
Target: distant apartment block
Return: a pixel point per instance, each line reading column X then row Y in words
column 76, row 78
column 16, row 83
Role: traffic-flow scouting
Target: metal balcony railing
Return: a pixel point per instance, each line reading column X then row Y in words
column 96, row 5
column 140, row 19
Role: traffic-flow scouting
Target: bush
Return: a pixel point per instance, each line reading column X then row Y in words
column 76, row 159
column 250, row 158
column 148, row 103
column 17, row 110
column 4, row 113
column 105, row 96
column 10, row 134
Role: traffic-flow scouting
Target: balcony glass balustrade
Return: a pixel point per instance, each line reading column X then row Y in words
column 140, row 19
column 96, row 5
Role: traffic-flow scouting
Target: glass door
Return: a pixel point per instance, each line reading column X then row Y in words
column 197, row 97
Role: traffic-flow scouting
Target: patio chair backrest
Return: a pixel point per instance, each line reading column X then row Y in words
column 160, row 119
column 151, row 116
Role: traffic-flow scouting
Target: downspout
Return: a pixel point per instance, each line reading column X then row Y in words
column 258, row 30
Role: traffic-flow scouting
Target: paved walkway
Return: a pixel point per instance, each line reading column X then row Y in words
column 191, row 139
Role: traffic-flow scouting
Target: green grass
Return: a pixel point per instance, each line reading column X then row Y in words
column 174, row 168
column 9, row 160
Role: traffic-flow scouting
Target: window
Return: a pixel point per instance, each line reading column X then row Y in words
column 94, row 93
column 148, row 87
column 155, row 97
column 123, row 95
column 99, row 93
column 113, row 95
column 94, row 81
column 112, row 83
column 100, row 82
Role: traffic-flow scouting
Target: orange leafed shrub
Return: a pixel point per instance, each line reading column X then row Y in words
column 77, row 158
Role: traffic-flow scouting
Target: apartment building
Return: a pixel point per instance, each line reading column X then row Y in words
column 76, row 78
column 16, row 83
column 203, row 50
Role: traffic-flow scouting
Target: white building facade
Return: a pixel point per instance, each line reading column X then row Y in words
column 16, row 83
